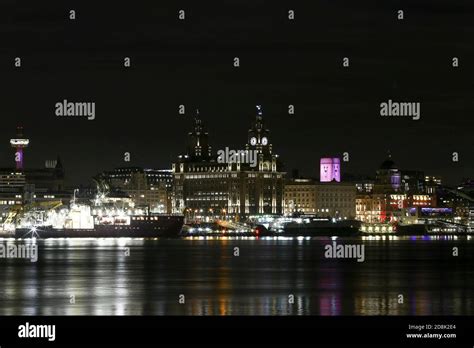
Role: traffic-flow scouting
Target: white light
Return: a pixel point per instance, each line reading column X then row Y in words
column 21, row 142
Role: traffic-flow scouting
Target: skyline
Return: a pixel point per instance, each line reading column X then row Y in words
column 305, row 170
column 175, row 160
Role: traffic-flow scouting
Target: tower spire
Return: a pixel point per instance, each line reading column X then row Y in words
column 259, row 118
column 19, row 143
column 197, row 122
column 198, row 145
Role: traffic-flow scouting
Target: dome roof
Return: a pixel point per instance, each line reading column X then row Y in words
column 388, row 164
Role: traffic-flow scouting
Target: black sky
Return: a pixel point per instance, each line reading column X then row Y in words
column 282, row 62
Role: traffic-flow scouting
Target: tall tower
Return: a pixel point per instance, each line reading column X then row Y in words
column 198, row 147
column 19, row 143
column 259, row 141
column 258, row 136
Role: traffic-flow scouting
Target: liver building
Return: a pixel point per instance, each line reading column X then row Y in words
column 205, row 185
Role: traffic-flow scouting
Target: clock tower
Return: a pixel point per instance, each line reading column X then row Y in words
column 249, row 187
column 259, row 136
column 259, row 141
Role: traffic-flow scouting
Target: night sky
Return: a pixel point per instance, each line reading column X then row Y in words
column 283, row 62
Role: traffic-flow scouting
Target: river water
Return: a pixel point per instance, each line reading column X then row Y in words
column 248, row 276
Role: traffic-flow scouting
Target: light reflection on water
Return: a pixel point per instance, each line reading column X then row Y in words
column 272, row 276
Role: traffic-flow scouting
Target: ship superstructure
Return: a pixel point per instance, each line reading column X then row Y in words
column 103, row 217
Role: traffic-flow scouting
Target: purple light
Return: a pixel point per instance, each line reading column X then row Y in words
column 395, row 180
column 330, row 169
column 19, row 158
column 336, row 169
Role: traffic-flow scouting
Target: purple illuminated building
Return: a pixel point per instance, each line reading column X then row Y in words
column 330, row 169
column 19, row 143
column 388, row 177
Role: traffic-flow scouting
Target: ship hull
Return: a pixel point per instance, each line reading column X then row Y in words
column 411, row 230
column 345, row 228
column 320, row 231
column 164, row 227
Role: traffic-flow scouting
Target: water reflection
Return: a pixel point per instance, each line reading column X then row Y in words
column 272, row 276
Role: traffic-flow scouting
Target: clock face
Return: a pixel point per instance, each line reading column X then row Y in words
column 264, row 141
column 253, row 141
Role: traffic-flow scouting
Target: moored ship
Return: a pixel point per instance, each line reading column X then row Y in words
column 153, row 226
column 113, row 218
column 313, row 226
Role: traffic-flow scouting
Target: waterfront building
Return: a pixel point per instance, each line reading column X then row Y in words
column 471, row 217
column 33, row 187
column 326, row 199
column 206, row 184
column 336, row 199
column 413, row 181
column 365, row 186
column 388, row 177
column 369, row 207
column 432, row 183
column 394, row 193
column 300, row 196
column 150, row 188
